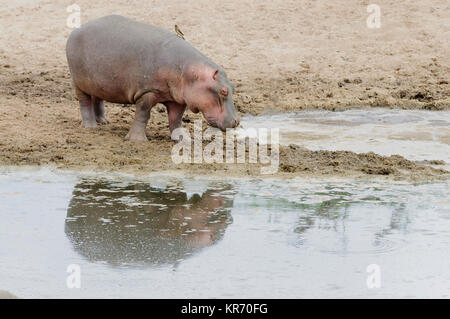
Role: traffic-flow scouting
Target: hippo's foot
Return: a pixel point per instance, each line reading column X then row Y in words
column 136, row 135
column 101, row 119
column 92, row 125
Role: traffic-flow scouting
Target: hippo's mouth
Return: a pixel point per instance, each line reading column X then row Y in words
column 213, row 123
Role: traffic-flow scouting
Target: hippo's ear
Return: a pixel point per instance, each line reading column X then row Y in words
column 215, row 75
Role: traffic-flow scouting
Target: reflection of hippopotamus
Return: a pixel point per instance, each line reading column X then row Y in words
column 122, row 61
column 139, row 224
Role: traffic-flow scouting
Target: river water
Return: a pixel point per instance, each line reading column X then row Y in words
column 169, row 236
column 415, row 134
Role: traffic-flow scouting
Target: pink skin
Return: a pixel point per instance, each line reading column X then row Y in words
column 198, row 92
column 198, row 89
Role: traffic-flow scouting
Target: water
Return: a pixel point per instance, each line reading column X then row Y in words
column 416, row 135
column 167, row 237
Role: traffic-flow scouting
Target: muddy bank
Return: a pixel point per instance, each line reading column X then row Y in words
column 41, row 135
column 41, row 125
column 297, row 159
column 42, row 128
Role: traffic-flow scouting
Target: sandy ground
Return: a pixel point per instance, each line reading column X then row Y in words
column 282, row 55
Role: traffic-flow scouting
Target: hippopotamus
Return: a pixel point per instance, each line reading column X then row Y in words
column 118, row 60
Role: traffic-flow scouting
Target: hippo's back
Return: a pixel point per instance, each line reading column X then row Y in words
column 113, row 57
column 117, row 30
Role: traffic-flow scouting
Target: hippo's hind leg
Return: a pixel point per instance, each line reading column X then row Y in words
column 99, row 110
column 143, row 107
column 87, row 109
column 175, row 112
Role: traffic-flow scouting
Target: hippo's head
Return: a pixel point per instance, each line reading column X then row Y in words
column 209, row 91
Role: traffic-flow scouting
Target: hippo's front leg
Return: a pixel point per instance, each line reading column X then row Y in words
column 175, row 112
column 143, row 107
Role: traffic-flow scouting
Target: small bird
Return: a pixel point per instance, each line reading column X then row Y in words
column 179, row 32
